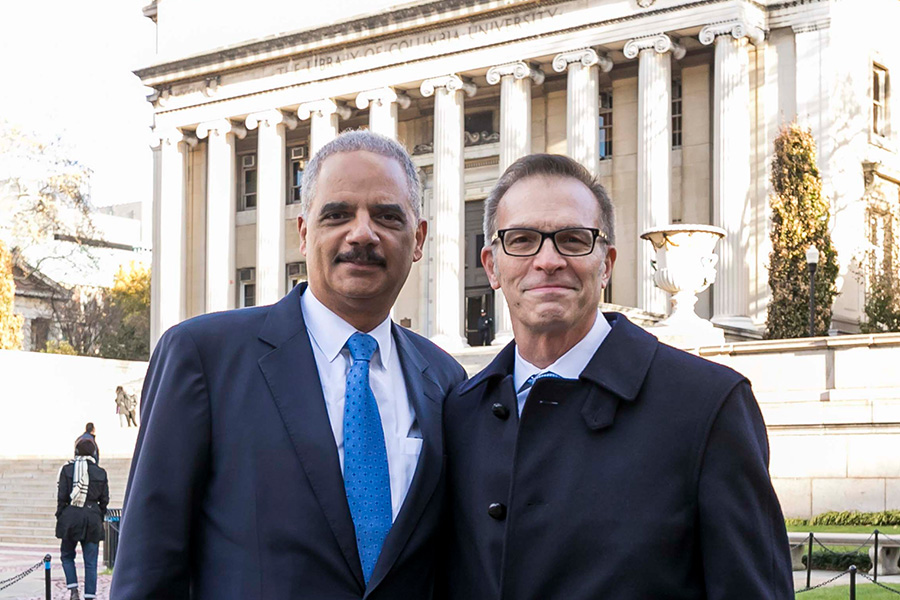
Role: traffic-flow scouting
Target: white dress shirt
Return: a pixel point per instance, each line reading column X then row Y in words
column 329, row 334
column 569, row 365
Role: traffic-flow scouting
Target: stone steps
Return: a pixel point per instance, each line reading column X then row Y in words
column 28, row 497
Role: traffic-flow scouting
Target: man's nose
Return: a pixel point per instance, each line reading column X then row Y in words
column 362, row 230
column 548, row 259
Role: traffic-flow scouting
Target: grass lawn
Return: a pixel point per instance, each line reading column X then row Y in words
column 842, row 592
column 891, row 530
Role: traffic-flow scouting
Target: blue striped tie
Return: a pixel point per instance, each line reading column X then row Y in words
column 530, row 381
column 367, row 480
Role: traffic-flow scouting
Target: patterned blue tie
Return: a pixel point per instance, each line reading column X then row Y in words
column 530, row 381
column 366, row 477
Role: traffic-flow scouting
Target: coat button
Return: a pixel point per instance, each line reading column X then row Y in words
column 497, row 511
column 500, row 411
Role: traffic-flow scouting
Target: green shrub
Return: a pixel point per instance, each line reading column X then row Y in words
column 875, row 519
column 840, row 561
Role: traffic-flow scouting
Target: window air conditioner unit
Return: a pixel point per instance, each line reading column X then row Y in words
column 298, row 152
column 248, row 161
column 297, row 269
column 248, row 274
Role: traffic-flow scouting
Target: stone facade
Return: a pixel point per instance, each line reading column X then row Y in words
column 674, row 105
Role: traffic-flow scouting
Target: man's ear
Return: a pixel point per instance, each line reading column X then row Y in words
column 487, row 260
column 606, row 269
column 301, row 227
column 421, row 233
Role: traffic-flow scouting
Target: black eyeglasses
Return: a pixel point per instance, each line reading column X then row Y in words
column 570, row 241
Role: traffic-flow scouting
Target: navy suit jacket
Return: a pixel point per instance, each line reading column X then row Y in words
column 236, row 489
column 645, row 479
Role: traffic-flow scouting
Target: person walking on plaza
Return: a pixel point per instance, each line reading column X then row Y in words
column 295, row 450
column 81, row 500
column 589, row 460
column 90, row 434
column 126, row 406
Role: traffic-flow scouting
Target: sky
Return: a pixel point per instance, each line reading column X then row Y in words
column 66, row 70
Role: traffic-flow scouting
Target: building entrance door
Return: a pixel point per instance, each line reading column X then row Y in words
column 479, row 295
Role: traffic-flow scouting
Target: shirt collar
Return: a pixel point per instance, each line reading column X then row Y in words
column 572, row 363
column 330, row 332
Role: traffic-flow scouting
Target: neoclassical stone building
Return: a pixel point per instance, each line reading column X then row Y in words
column 674, row 104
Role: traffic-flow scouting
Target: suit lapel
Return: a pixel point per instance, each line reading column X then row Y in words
column 426, row 397
column 293, row 379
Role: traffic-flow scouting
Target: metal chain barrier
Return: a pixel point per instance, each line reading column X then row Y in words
column 887, row 537
column 823, row 584
column 881, row 585
column 14, row 580
column 848, row 552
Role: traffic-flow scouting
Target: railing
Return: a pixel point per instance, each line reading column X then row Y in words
column 17, row 578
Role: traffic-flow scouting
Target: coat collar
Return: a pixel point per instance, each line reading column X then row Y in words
column 618, row 368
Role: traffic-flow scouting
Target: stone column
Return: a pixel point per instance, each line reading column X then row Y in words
column 449, row 195
column 383, row 104
column 168, row 270
column 583, row 104
column 654, row 171
column 324, row 115
column 271, row 197
column 731, row 168
column 515, row 81
column 221, row 208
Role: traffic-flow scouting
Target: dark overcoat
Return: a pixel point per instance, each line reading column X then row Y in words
column 236, row 488
column 85, row 523
column 646, row 479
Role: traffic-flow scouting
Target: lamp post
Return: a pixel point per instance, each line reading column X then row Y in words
column 812, row 260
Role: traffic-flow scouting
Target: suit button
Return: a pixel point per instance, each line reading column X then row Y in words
column 500, row 411
column 497, row 511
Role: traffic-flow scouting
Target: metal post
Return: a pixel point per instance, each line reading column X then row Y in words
column 47, row 577
column 809, row 561
column 875, row 560
column 852, row 582
column 812, row 300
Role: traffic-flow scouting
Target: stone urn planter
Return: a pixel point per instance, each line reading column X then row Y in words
column 685, row 266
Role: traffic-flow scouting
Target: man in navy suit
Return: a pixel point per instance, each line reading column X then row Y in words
column 295, row 450
column 588, row 460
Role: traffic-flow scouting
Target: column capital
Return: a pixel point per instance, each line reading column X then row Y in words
column 453, row 83
column 586, row 56
column 168, row 136
column 270, row 118
column 381, row 96
column 518, row 69
column 662, row 43
column 323, row 108
column 736, row 29
column 220, row 127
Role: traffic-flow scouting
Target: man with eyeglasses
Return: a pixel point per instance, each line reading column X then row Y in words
column 589, row 461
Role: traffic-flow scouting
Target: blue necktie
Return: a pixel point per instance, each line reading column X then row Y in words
column 366, row 476
column 530, row 381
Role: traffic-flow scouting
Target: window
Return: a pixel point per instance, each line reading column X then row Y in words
column 880, row 89
column 676, row 113
column 248, row 181
column 606, row 125
column 881, row 239
column 297, row 162
column 247, row 289
column 296, row 273
column 479, row 122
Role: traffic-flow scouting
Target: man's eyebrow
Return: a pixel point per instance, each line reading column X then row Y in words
column 394, row 208
column 330, row 206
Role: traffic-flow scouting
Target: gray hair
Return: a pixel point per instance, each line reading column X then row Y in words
column 549, row 165
column 360, row 140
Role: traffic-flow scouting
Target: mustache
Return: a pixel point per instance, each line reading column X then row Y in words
column 361, row 255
